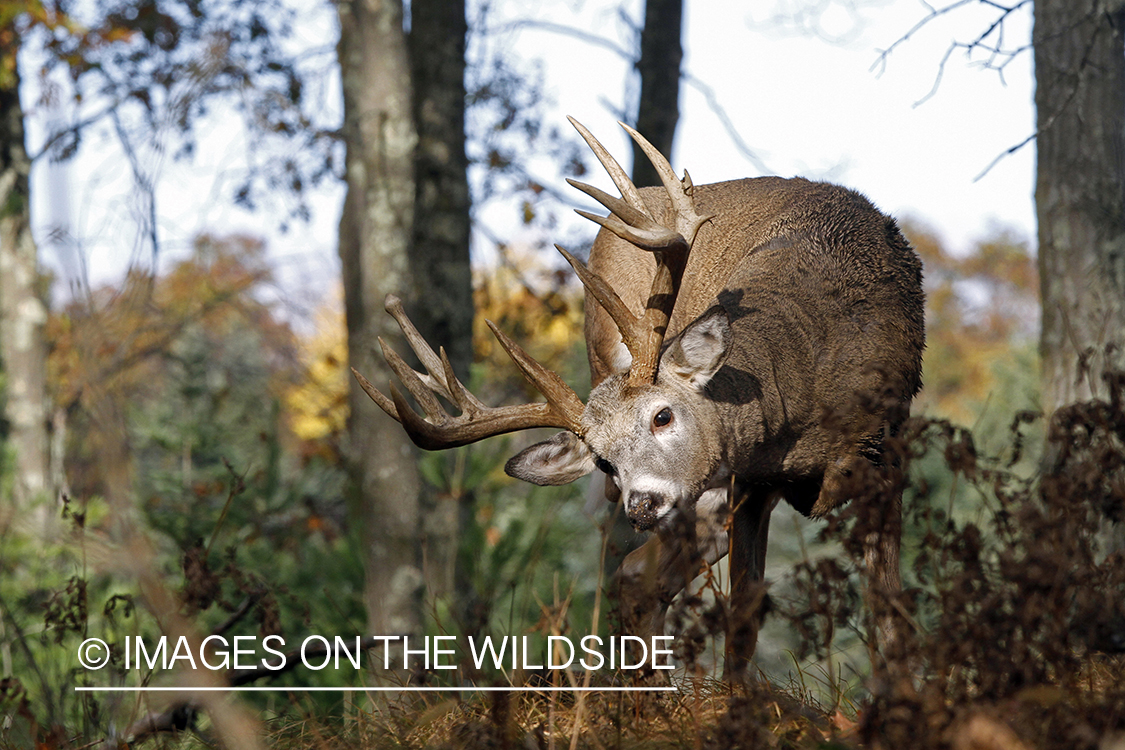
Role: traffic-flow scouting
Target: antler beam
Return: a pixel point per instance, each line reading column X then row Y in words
column 438, row 429
column 670, row 242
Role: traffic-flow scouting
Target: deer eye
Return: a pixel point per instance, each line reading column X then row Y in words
column 605, row 466
column 662, row 418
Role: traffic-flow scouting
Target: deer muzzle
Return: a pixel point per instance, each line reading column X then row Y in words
column 644, row 509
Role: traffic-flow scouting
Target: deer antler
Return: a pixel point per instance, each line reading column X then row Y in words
column 631, row 221
column 438, row 430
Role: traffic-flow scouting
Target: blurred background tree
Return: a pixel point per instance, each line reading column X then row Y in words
column 1079, row 61
column 981, row 328
column 376, row 228
column 23, row 305
column 151, row 71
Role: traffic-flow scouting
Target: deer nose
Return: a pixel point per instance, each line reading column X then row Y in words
column 642, row 509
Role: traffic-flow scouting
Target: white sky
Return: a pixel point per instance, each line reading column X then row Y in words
column 803, row 105
column 815, row 109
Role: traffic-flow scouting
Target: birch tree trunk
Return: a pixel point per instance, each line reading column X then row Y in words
column 23, row 316
column 375, row 231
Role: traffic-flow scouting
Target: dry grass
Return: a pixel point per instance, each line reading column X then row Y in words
column 708, row 715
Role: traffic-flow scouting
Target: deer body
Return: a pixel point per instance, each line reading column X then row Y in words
column 748, row 341
column 825, row 304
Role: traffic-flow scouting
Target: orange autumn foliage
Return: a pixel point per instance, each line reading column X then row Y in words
column 539, row 306
column 111, row 349
column 982, row 319
column 317, row 404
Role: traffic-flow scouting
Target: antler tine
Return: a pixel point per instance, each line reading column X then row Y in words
column 457, row 431
column 600, row 289
column 632, row 226
column 437, row 429
column 616, row 205
column 421, row 392
column 563, row 401
column 670, row 240
column 616, row 173
column 435, row 380
column 679, row 191
column 380, row 400
column 631, row 220
column 460, row 395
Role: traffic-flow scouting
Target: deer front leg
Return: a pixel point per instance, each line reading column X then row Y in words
column 652, row 575
column 750, row 526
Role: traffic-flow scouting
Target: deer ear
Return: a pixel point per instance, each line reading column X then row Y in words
column 698, row 352
column 560, row 460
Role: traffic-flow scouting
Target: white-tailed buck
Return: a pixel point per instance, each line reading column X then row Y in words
column 748, row 340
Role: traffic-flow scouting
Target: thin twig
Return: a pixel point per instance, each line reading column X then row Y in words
column 998, row 57
column 565, row 30
column 881, row 60
column 180, row 716
column 724, row 119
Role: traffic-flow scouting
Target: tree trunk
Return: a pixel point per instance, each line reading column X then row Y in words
column 659, row 66
column 1080, row 195
column 1080, row 201
column 442, row 304
column 375, row 231
column 23, row 316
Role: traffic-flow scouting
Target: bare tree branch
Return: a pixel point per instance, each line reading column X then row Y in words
column 1005, row 153
column 806, row 19
column 881, row 61
column 565, row 30
column 1050, row 120
column 713, row 102
column 998, row 55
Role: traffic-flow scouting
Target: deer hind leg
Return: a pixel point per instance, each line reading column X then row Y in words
column 884, row 580
column 749, row 536
column 880, row 519
column 652, row 575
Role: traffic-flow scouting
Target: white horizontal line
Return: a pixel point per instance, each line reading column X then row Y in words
column 374, row 689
